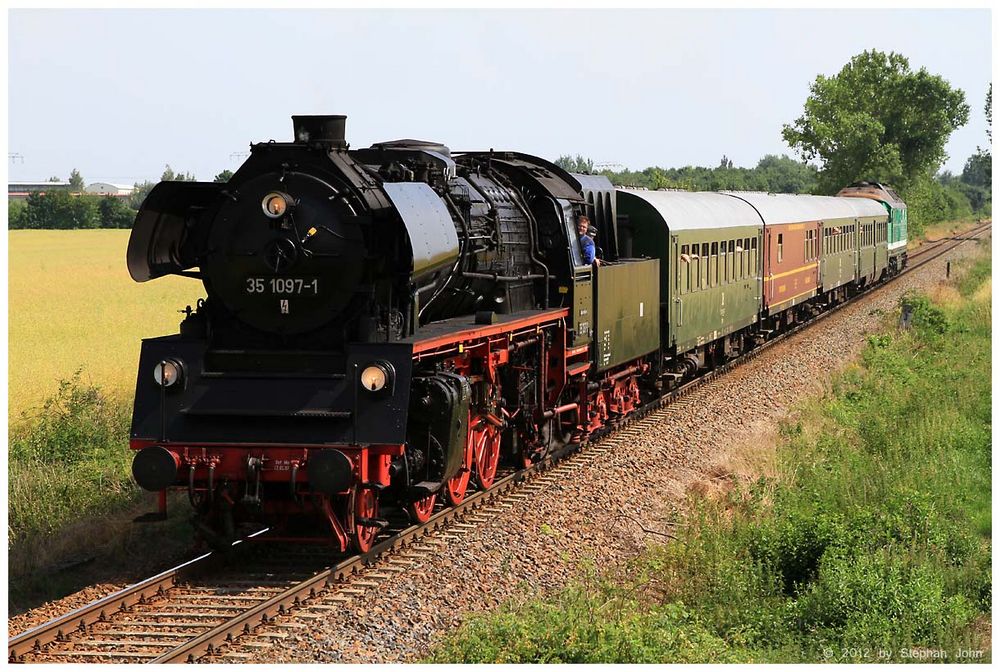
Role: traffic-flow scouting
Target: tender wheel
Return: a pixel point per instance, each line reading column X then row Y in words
column 365, row 507
column 420, row 511
column 484, row 437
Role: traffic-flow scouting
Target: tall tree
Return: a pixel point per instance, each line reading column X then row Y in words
column 977, row 175
column 170, row 176
column 577, row 164
column 139, row 193
column 877, row 119
column 224, row 176
column 114, row 214
column 75, row 181
column 989, row 114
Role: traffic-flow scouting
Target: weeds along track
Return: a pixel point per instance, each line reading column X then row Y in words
column 226, row 607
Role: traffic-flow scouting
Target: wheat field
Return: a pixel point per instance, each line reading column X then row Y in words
column 73, row 305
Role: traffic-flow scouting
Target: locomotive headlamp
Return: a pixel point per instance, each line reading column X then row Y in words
column 275, row 205
column 168, row 372
column 376, row 376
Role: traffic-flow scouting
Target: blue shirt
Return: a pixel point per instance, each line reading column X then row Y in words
column 589, row 251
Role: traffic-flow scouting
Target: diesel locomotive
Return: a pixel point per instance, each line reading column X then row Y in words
column 384, row 327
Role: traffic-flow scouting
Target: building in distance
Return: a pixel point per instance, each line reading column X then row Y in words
column 109, row 189
column 18, row 191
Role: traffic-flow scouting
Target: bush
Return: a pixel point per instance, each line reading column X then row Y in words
column 68, row 460
column 587, row 625
column 928, row 201
column 883, row 599
column 15, row 214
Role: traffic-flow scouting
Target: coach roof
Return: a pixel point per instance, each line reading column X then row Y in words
column 682, row 210
column 794, row 208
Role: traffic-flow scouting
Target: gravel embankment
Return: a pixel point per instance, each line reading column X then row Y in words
column 541, row 542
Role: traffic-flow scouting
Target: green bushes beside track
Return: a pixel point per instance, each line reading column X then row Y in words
column 872, row 545
column 68, row 460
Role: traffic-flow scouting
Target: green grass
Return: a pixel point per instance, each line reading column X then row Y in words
column 72, row 460
column 873, row 544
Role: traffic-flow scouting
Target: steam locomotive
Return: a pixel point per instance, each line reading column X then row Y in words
column 384, row 327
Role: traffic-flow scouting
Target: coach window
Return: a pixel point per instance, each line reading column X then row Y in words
column 703, row 268
column 705, row 265
column 753, row 256
column 781, row 247
column 685, row 268
column 732, row 261
column 717, row 271
column 736, row 259
column 724, row 250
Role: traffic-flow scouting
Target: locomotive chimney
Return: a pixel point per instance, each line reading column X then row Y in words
column 322, row 129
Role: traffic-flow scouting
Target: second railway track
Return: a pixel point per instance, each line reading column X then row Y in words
column 205, row 608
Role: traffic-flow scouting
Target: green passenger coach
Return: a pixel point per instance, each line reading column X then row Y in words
column 709, row 248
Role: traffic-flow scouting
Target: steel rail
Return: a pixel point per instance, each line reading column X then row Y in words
column 210, row 642
column 98, row 611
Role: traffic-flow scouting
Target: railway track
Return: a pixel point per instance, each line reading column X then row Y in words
column 212, row 609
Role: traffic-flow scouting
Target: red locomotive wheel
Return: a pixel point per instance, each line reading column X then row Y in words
column 420, row 511
column 455, row 488
column 365, row 506
column 484, row 437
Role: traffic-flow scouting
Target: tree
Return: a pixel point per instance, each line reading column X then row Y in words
column 977, row 175
column 114, row 214
column 785, row 175
column 577, row 164
column 16, row 214
column 60, row 210
column 726, row 162
column 224, row 176
column 877, row 119
column 54, row 179
column 978, row 169
column 170, row 176
column 76, row 181
column 139, row 193
column 989, row 114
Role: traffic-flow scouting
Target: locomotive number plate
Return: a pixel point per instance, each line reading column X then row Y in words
column 283, row 286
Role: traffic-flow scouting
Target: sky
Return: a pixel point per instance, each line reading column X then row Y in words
column 118, row 94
